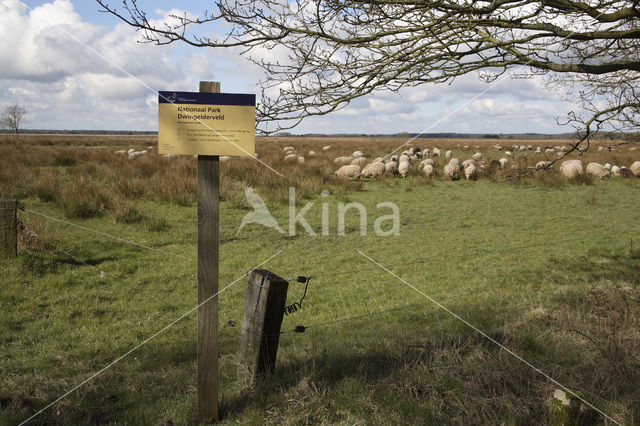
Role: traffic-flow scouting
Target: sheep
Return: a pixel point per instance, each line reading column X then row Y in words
column 414, row 158
column 598, row 170
column 476, row 147
column 543, row 164
column 288, row 148
column 415, row 150
column 150, row 147
column 538, row 151
column 477, row 156
column 508, row 153
column 471, row 172
column 378, row 160
column 632, row 149
column 357, row 154
column 549, row 150
column 529, row 147
column 360, row 161
column 455, row 163
column 466, row 147
column 635, row 168
column 494, row 164
column 424, row 162
column 607, row 166
column 121, row 152
column 351, row 170
column 291, row 157
column 626, row 173
column 133, row 155
column 448, row 154
column 615, row 170
column 131, row 151
column 144, row 152
column 394, row 158
column 225, row 158
column 311, row 154
column 391, row 168
column 343, row 161
column 451, row 172
column 435, row 153
column 466, row 163
column 600, row 148
column 578, row 163
column 326, row 148
column 404, row 157
column 403, row 168
column 498, row 148
column 428, row 170
column 570, row 170
column 503, row 162
column 301, row 159
column 374, row 169
column 426, row 152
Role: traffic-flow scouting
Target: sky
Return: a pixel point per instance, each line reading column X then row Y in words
column 73, row 67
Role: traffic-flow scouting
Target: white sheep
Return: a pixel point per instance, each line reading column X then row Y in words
column 404, row 157
column 471, row 172
column 394, row 158
column 571, row 169
column 435, row 153
column 311, row 154
column 508, row 153
column 607, row 166
column 403, row 168
column 291, row 158
column 451, row 172
column 288, row 148
column 121, row 152
column 225, row 158
column 466, row 163
column 455, row 163
column 428, row 170
column 326, row 148
column 477, row 156
column 448, row 154
column 427, row 161
column 391, row 168
column 359, row 161
column 357, row 154
column 600, row 148
column 598, row 170
column 301, row 159
column 543, row 164
column 343, row 161
column 426, row 152
column 374, row 169
column 635, row 168
column 503, row 162
column 615, row 170
column 131, row 151
column 351, row 170
column 498, row 148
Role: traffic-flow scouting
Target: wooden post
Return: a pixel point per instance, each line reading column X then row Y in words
column 264, row 305
column 8, row 228
column 208, row 242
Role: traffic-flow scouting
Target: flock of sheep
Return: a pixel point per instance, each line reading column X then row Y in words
column 357, row 165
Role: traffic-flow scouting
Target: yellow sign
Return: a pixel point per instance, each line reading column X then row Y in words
column 196, row 123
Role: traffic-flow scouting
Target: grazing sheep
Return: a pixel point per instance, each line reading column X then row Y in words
column 150, row 147
column 615, row 170
column 357, row 154
column 301, row 159
column 635, row 168
column 477, row 156
column 394, row 158
column 466, row 147
column 456, row 163
column 503, row 162
column 131, row 151
column 435, row 153
column 466, row 163
column 626, row 173
column 598, row 170
column 600, row 148
column 133, row 155
column 451, row 172
column 414, row 158
column 351, row 170
column 403, row 168
column 291, row 158
column 570, row 170
column 311, row 154
column 121, row 152
column 471, row 172
column 549, row 151
column 543, row 164
column 428, row 170
column 404, row 157
column 498, row 148
column 538, row 151
column 578, row 163
column 343, row 161
column 359, row 161
column 448, row 154
column 607, row 166
column 374, row 169
column 495, row 164
column 378, row 160
column 326, row 148
column 145, row 152
column 427, row 161
column 508, row 153
column 288, row 148
column 426, row 152
column 415, row 150
column 391, row 168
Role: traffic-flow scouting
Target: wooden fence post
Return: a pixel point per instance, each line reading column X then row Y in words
column 264, row 305
column 8, row 228
column 208, row 262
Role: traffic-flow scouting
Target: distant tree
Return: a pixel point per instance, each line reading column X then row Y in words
column 12, row 118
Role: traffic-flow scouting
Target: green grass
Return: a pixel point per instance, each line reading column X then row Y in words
column 539, row 269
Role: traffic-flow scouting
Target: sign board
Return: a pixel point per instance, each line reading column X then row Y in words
column 197, row 123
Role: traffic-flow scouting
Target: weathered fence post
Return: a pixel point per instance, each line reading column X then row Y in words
column 208, row 251
column 264, row 305
column 8, row 228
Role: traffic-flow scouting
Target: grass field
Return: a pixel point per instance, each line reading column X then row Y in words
column 549, row 269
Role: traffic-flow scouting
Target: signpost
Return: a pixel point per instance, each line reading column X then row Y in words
column 207, row 124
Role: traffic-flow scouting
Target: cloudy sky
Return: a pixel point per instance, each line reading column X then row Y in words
column 73, row 67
